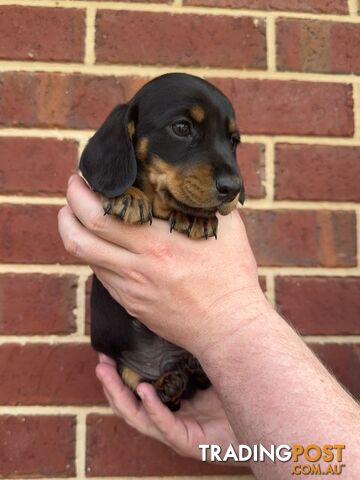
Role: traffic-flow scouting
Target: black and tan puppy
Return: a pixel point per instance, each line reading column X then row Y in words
column 169, row 152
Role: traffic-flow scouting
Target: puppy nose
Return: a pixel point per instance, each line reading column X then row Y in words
column 228, row 187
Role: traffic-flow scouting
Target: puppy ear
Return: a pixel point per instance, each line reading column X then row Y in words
column 242, row 194
column 108, row 162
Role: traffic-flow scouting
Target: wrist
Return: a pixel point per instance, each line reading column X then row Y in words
column 234, row 317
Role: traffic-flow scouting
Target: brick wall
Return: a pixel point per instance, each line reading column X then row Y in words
column 290, row 67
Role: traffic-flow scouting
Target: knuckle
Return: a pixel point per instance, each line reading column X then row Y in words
column 72, row 246
column 96, row 222
column 162, row 250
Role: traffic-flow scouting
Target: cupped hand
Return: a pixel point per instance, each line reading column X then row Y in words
column 200, row 421
column 184, row 290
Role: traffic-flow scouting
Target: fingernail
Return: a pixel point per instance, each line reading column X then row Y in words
column 141, row 394
column 71, row 179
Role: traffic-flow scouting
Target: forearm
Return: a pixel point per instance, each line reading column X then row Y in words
column 275, row 391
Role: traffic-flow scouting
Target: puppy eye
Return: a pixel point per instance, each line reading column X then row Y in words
column 235, row 140
column 182, row 128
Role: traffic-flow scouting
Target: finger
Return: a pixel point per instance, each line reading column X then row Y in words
column 124, row 403
column 79, row 242
column 171, row 428
column 88, row 209
column 105, row 359
column 108, row 279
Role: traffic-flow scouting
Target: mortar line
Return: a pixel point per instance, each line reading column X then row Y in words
column 89, row 58
column 70, row 339
column 82, row 136
column 271, row 43
column 112, row 5
column 46, row 269
column 57, row 269
column 358, row 235
column 256, row 204
column 80, row 447
column 353, row 8
column 270, row 288
column 57, row 134
column 140, row 70
column 356, row 100
column 311, row 271
column 54, row 409
column 80, row 304
column 327, row 339
column 269, row 174
column 177, row 477
column 32, row 200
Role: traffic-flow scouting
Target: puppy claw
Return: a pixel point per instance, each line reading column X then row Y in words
column 206, row 233
column 141, row 208
column 131, row 207
column 107, row 209
column 123, row 211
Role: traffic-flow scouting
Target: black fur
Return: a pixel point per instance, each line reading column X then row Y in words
column 110, row 166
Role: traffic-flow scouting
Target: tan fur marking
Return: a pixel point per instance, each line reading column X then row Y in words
column 141, row 148
column 226, row 208
column 160, row 208
column 197, row 113
column 195, row 187
column 232, row 125
column 131, row 129
column 130, row 378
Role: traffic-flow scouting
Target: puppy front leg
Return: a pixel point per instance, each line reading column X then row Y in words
column 132, row 207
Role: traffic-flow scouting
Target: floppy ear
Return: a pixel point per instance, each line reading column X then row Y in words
column 108, row 162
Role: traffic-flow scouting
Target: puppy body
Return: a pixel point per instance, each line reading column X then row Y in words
column 169, row 152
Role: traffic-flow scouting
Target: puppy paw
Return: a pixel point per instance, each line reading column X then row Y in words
column 171, row 386
column 194, row 227
column 131, row 207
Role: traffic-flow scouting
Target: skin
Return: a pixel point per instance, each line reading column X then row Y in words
column 268, row 387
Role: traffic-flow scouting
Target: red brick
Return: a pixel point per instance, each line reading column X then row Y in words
column 250, row 158
column 344, row 361
column 320, row 305
column 37, row 445
column 315, row 46
column 263, row 106
column 29, row 234
column 41, row 374
column 291, row 107
column 37, row 33
column 302, row 237
column 61, row 100
column 317, row 172
column 262, row 281
column 87, row 305
column 180, row 39
column 36, row 166
column 319, row 6
column 113, row 450
column 37, row 304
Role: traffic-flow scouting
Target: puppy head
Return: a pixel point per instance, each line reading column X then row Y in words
column 182, row 133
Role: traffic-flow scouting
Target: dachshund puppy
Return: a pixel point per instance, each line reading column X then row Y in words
column 168, row 152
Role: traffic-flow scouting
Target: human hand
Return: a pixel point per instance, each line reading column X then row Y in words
column 178, row 287
column 200, row 421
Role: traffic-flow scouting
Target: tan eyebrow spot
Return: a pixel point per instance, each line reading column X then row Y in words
column 197, row 113
column 141, row 148
column 232, row 125
column 131, row 128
